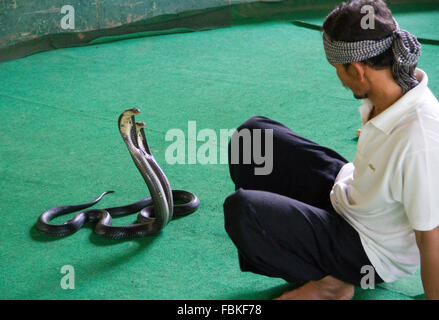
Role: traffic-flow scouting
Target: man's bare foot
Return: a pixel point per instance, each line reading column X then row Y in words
column 328, row 288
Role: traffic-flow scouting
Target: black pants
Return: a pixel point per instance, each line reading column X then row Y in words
column 283, row 224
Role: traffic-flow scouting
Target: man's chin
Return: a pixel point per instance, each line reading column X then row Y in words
column 360, row 97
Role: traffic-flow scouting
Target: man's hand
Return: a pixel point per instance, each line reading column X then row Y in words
column 428, row 244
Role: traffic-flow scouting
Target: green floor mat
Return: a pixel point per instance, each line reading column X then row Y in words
column 59, row 144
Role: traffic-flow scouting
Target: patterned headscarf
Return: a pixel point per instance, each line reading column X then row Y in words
column 406, row 50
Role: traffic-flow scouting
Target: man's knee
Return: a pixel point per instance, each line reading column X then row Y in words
column 241, row 140
column 256, row 122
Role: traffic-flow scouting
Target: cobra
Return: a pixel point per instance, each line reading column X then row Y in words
column 155, row 211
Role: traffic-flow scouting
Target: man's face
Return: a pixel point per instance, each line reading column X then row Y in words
column 351, row 79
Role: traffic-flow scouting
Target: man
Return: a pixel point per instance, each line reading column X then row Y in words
column 321, row 220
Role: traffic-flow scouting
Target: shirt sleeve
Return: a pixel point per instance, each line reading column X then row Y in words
column 420, row 191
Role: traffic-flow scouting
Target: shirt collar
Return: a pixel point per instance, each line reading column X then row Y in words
column 389, row 118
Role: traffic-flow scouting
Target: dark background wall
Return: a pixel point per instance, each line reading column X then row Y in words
column 23, row 20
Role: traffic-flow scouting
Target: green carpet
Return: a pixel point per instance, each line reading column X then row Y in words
column 59, row 145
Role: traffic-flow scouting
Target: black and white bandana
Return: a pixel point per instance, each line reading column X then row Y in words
column 406, row 50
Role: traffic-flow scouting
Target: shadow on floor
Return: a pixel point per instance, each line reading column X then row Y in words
column 267, row 294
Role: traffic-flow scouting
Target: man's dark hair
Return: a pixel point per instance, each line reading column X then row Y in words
column 344, row 24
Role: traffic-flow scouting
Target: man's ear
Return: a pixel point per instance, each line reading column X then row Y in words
column 358, row 70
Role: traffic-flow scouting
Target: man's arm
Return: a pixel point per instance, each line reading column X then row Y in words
column 428, row 243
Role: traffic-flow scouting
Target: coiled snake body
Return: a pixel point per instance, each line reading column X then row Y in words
column 154, row 212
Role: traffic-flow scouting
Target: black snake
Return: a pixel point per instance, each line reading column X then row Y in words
column 154, row 212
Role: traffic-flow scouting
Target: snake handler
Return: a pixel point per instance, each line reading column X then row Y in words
column 322, row 221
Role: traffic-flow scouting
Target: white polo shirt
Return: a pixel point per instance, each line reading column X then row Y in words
column 392, row 186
